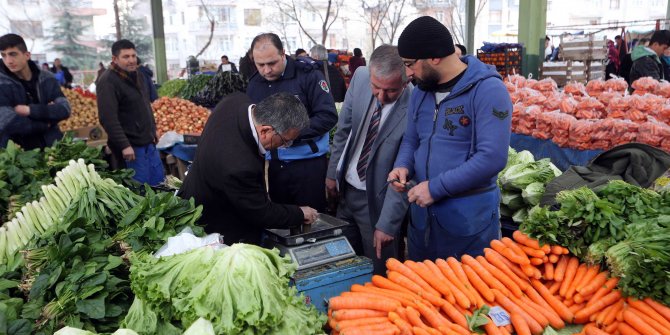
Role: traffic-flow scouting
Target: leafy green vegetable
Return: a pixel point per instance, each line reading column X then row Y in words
column 200, row 327
column 222, row 84
column 532, row 193
column 478, row 319
column 194, row 85
column 241, row 289
column 171, row 88
column 518, row 177
column 520, row 215
column 513, row 200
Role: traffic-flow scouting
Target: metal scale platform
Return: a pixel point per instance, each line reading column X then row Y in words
column 327, row 264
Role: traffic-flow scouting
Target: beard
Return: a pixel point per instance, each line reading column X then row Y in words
column 431, row 79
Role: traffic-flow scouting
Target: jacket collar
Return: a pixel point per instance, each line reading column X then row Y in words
column 5, row 72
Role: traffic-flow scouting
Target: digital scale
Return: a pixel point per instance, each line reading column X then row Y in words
column 326, row 263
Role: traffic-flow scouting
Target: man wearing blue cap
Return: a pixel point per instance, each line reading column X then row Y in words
column 458, row 132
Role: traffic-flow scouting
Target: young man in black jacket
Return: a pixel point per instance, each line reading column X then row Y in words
column 125, row 114
column 646, row 59
column 31, row 102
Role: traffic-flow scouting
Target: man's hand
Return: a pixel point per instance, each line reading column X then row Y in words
column 399, row 174
column 331, row 188
column 380, row 239
column 310, row 214
column 128, row 154
column 22, row 110
column 420, row 194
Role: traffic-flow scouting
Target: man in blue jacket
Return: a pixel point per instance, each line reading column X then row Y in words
column 296, row 174
column 31, row 102
column 458, row 132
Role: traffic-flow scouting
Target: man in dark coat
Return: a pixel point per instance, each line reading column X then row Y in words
column 335, row 80
column 62, row 73
column 228, row 174
column 31, row 102
column 646, row 59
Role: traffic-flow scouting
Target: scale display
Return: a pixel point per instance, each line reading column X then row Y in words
column 321, row 252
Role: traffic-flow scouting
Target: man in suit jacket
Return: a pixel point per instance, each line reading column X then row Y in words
column 364, row 149
column 228, row 173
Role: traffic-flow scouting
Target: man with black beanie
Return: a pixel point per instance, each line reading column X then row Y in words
column 456, row 142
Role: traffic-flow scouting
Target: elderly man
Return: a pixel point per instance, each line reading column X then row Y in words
column 335, row 80
column 228, row 173
column 371, row 125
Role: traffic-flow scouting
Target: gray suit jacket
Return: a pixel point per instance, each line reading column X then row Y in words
column 387, row 207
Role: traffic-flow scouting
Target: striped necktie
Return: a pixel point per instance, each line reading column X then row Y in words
column 373, row 130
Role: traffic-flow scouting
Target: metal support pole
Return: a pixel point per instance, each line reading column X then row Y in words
column 159, row 41
column 532, row 33
column 470, row 32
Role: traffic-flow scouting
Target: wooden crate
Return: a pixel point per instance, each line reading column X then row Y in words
column 565, row 72
column 583, row 49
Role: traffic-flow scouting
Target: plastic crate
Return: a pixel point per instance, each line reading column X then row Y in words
column 507, row 61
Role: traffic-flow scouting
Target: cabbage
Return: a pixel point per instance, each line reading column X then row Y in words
column 505, row 211
column 514, row 158
column 524, row 157
column 519, row 176
column 242, row 289
column 520, row 215
column 73, row 331
column 532, row 193
column 513, row 200
column 200, row 327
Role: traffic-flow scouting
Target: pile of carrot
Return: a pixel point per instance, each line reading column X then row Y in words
column 537, row 285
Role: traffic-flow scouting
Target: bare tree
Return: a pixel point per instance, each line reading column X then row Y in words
column 457, row 23
column 23, row 22
column 117, row 20
column 397, row 13
column 374, row 14
column 212, row 24
column 326, row 11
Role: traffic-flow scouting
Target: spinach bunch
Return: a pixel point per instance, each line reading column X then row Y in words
column 222, row 84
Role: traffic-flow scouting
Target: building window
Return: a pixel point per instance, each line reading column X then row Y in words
column 225, row 43
column 439, row 16
column 28, row 29
column 172, row 44
column 183, row 18
column 252, row 17
column 614, row 4
column 495, row 17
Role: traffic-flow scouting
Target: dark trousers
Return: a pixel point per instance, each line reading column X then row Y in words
column 301, row 182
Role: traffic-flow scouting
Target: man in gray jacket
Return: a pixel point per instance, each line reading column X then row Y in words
column 369, row 131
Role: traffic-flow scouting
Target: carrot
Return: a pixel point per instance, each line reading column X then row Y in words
column 434, row 318
column 402, row 313
column 579, row 275
column 420, row 331
column 574, row 308
column 484, row 274
column 348, row 314
column 593, row 330
column 405, row 299
column 647, row 310
column 535, row 297
column 404, row 281
column 555, row 287
column 511, row 307
column 450, row 277
column 545, row 259
column 531, row 252
column 604, row 290
column 501, row 276
column 599, row 318
column 455, row 316
column 610, row 318
column 459, row 329
column 561, row 266
column 383, row 282
column 584, row 314
column 498, row 261
column 650, row 321
column 395, row 265
column 514, row 267
column 612, row 329
column 491, row 329
column 638, row 324
column 457, row 268
column 340, row 325
column 570, row 272
column 520, row 325
column 520, row 258
column 531, row 271
column 661, row 309
column 554, row 319
column 504, row 331
column 445, row 330
column 625, row 329
column 404, row 326
column 557, row 249
column 508, row 253
column 536, row 261
column 539, row 317
column 578, row 298
column 508, row 242
column 592, row 286
column 553, row 258
column 548, row 271
column 591, row 272
column 435, row 282
column 567, row 302
column 375, row 329
column 478, row 283
column 526, row 240
column 414, row 318
column 379, row 304
column 555, row 304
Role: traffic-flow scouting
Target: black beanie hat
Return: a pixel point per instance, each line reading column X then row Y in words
column 425, row 38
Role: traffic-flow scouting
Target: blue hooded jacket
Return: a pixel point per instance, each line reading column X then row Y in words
column 460, row 144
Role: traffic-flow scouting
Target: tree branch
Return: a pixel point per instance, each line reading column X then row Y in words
column 212, row 24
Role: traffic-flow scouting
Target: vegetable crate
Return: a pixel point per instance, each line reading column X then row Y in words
column 583, row 49
column 329, row 280
column 565, row 72
column 507, row 62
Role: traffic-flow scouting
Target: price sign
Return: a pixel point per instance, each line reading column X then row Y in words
column 499, row 316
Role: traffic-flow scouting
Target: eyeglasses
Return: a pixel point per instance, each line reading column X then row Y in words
column 410, row 63
column 285, row 143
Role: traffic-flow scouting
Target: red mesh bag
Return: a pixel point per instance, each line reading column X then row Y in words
column 595, row 87
column 645, row 84
column 617, row 85
column 574, row 88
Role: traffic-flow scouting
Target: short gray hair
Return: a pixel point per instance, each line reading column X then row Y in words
column 318, row 52
column 283, row 111
column 385, row 62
